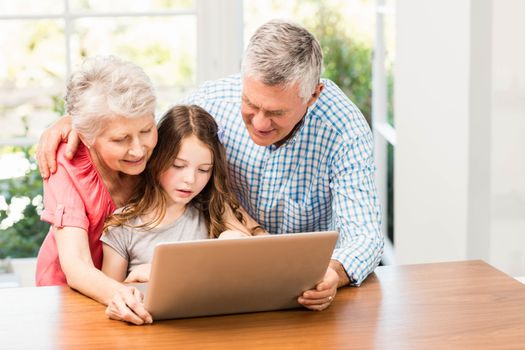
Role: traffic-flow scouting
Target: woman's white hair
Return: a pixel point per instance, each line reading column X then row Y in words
column 284, row 53
column 105, row 87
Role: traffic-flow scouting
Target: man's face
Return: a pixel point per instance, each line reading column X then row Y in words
column 271, row 113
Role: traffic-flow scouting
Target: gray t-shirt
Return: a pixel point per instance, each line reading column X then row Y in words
column 136, row 245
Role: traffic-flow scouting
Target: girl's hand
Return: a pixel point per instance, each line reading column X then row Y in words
column 139, row 274
column 232, row 234
column 126, row 305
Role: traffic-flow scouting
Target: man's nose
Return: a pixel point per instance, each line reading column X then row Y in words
column 261, row 122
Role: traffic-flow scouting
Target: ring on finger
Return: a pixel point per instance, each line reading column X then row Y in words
column 330, row 298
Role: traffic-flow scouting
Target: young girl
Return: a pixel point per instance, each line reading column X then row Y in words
column 184, row 194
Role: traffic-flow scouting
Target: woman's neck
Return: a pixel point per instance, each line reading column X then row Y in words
column 119, row 185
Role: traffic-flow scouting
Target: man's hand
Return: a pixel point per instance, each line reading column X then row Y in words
column 343, row 277
column 320, row 297
column 48, row 145
column 126, row 305
column 139, row 274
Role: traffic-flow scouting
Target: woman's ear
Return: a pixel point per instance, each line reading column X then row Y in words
column 84, row 141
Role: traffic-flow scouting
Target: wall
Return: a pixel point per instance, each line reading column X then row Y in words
column 431, row 111
column 460, row 105
column 508, row 141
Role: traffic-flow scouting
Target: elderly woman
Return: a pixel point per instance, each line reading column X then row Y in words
column 111, row 103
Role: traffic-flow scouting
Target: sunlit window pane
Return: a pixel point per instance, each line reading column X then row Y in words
column 345, row 30
column 357, row 16
column 390, row 43
column 164, row 46
column 31, row 7
column 102, row 6
column 32, row 71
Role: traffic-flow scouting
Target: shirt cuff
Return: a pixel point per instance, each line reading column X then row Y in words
column 59, row 218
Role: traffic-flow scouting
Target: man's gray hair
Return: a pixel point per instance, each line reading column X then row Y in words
column 284, row 53
column 105, row 87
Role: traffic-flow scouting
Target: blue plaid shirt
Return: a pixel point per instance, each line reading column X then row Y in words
column 320, row 179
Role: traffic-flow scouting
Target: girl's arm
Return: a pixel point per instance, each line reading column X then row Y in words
column 251, row 223
column 114, row 265
column 235, row 225
column 139, row 274
column 125, row 303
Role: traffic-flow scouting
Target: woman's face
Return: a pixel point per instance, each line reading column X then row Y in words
column 125, row 144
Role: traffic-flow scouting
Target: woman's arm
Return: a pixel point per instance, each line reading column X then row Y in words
column 124, row 303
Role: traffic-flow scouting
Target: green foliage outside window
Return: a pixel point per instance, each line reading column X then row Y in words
column 24, row 237
column 347, row 60
column 348, row 63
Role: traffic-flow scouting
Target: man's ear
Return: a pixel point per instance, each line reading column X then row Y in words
column 315, row 95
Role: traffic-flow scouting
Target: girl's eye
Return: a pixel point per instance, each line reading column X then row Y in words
column 118, row 140
column 178, row 166
column 204, row 170
column 146, row 131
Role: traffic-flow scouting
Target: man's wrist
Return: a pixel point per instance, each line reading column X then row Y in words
column 340, row 270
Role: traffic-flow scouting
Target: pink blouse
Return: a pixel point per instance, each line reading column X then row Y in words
column 74, row 196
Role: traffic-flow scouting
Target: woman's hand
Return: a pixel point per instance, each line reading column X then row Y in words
column 127, row 305
column 232, row 234
column 139, row 274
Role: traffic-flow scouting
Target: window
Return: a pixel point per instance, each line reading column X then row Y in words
column 383, row 118
column 177, row 42
column 46, row 39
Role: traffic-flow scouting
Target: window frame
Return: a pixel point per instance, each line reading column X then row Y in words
column 384, row 132
column 211, row 43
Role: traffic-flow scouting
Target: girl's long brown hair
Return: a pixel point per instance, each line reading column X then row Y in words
column 179, row 122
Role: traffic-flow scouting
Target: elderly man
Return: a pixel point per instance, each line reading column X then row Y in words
column 299, row 151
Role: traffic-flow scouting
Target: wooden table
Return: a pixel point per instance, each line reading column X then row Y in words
column 463, row 305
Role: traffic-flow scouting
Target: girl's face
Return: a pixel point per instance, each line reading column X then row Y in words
column 189, row 173
column 125, row 144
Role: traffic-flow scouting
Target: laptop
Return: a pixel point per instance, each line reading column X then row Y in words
column 225, row 276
